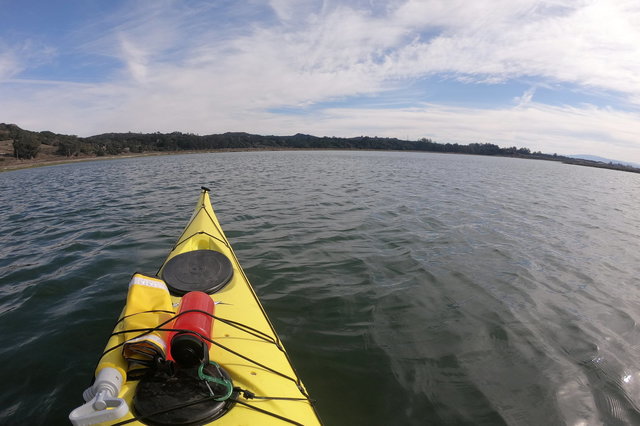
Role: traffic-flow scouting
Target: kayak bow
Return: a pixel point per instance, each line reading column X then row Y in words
column 166, row 363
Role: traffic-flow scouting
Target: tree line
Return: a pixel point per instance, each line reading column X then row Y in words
column 26, row 144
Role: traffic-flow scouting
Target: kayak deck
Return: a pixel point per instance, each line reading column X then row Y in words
column 244, row 342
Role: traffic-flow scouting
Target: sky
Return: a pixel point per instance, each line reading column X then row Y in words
column 557, row 76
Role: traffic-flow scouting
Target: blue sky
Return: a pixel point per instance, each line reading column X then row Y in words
column 557, row 76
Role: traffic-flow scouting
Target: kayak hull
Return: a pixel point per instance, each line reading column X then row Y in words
column 251, row 354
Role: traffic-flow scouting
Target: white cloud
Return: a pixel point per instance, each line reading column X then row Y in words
column 288, row 10
column 526, row 97
column 324, row 51
column 135, row 58
column 15, row 58
column 8, row 65
column 594, row 43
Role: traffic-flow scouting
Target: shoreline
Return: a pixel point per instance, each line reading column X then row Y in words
column 51, row 160
column 44, row 162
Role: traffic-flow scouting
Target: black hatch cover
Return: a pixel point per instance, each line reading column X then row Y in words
column 200, row 270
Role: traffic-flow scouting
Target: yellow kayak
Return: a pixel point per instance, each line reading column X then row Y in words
column 194, row 346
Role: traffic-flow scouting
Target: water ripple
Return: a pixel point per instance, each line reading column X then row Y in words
column 408, row 288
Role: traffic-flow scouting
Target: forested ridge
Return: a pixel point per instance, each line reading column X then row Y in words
column 27, row 145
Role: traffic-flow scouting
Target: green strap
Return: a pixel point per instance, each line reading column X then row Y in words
column 224, row 382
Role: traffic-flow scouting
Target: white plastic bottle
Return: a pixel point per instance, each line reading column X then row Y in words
column 102, row 402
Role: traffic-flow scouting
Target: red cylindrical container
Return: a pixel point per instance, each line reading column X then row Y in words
column 189, row 349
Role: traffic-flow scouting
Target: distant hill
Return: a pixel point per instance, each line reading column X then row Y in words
column 603, row 160
column 49, row 144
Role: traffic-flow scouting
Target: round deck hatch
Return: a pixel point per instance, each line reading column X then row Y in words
column 200, row 270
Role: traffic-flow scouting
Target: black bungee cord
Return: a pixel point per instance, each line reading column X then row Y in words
column 245, row 393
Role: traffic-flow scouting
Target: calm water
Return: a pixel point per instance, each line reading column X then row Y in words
column 408, row 288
